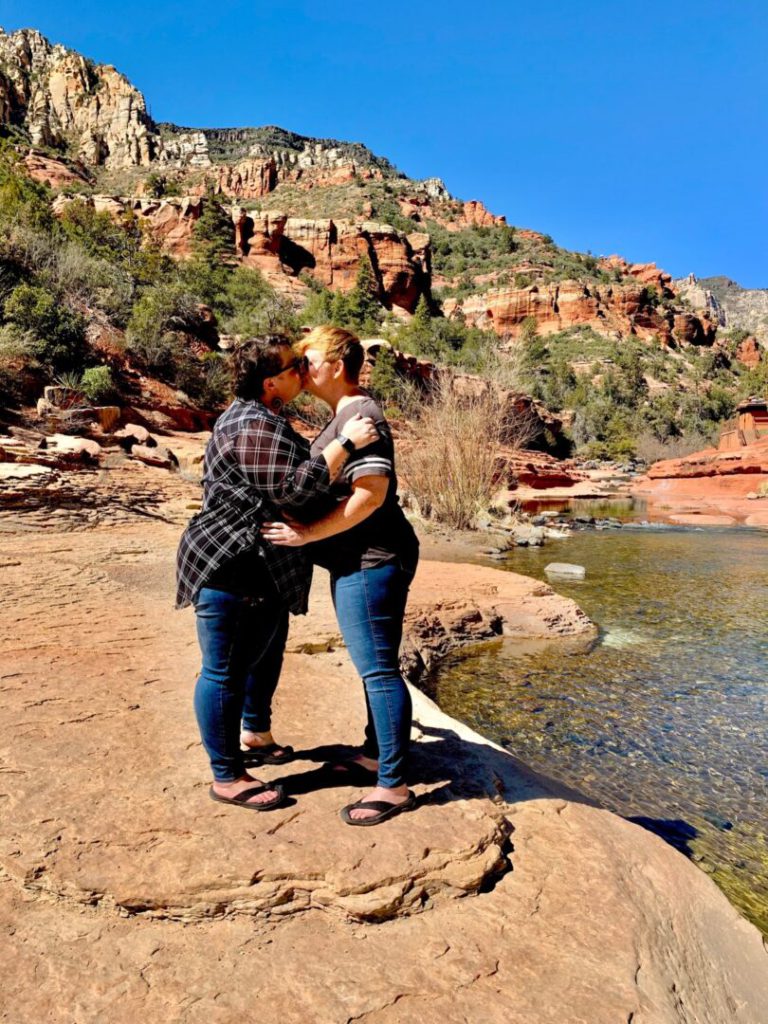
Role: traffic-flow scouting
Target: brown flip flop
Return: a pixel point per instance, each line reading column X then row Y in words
column 241, row 800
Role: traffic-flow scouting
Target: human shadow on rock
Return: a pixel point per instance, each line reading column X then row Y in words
column 466, row 769
column 675, row 831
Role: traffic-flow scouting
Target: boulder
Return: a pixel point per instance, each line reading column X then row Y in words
column 60, row 396
column 566, row 570
column 157, row 456
column 132, row 434
column 82, row 446
column 749, row 353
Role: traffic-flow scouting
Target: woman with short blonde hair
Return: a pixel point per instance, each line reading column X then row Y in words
column 371, row 552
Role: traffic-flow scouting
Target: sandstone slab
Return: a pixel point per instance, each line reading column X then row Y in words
column 125, row 892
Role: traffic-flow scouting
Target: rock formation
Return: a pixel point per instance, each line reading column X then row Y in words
column 625, row 307
column 647, row 273
column 731, row 305
column 331, row 250
column 57, row 95
column 749, row 352
column 57, row 174
column 281, row 246
column 249, row 179
column 724, row 485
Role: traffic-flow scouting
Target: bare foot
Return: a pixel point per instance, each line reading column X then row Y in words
column 230, row 789
column 254, row 740
column 398, row 795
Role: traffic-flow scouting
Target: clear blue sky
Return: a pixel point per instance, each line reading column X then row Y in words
column 615, row 127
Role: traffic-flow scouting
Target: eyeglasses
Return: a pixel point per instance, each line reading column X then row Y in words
column 300, row 364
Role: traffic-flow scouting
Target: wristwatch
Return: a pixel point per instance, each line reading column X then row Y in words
column 346, row 443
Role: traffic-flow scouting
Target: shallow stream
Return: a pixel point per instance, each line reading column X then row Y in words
column 665, row 718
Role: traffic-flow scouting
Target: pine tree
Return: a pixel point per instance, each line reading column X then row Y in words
column 363, row 301
column 422, row 316
column 208, row 272
column 214, row 234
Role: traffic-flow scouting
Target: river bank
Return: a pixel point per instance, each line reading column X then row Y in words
column 125, row 891
column 664, row 718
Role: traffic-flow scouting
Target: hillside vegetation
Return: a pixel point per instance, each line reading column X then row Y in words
column 86, row 295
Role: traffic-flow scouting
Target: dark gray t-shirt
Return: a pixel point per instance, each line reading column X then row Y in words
column 386, row 535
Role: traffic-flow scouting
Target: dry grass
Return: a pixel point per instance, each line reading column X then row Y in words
column 649, row 449
column 450, row 460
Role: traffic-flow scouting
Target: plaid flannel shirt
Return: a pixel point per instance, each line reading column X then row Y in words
column 255, row 466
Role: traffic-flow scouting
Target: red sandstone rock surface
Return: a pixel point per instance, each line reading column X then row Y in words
column 248, row 179
column 749, row 352
column 54, row 173
column 625, row 307
column 259, row 175
column 455, row 217
column 474, row 214
column 330, row 250
column 751, row 458
column 127, row 893
column 647, row 273
column 711, row 482
column 169, row 221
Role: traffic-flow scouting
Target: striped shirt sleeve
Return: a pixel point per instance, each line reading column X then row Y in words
column 375, row 460
column 367, row 465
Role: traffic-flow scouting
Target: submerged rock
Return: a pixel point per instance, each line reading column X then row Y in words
column 566, row 570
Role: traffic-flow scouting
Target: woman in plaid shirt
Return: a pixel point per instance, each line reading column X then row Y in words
column 257, row 468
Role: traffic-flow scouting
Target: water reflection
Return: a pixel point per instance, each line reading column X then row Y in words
column 665, row 718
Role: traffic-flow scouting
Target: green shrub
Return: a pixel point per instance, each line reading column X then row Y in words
column 214, row 233
column 250, row 306
column 206, row 381
column 363, row 306
column 159, row 185
column 98, row 385
column 22, row 201
column 99, row 235
column 161, row 311
column 217, row 380
column 206, row 279
column 318, row 308
column 56, row 333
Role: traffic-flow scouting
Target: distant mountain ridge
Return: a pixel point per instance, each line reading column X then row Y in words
column 56, row 98
column 744, row 309
column 306, row 206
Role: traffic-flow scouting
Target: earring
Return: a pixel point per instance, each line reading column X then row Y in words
column 276, row 404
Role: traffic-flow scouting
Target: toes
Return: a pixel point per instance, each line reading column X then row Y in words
column 266, row 796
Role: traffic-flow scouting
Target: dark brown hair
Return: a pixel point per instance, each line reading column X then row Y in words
column 254, row 360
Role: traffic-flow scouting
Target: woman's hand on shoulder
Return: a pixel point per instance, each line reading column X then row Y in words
column 361, row 430
column 285, row 535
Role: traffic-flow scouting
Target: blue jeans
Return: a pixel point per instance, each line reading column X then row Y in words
column 242, row 644
column 370, row 605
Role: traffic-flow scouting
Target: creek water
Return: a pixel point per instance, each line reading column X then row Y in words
column 664, row 719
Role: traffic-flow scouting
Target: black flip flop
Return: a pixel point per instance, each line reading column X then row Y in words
column 241, row 799
column 350, row 773
column 267, row 755
column 385, row 810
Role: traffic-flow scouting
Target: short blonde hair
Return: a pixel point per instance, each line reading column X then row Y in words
column 335, row 343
